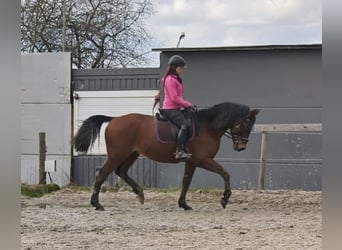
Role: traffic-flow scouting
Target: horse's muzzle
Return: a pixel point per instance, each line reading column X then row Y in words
column 239, row 146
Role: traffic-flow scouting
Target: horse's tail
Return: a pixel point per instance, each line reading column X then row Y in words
column 88, row 132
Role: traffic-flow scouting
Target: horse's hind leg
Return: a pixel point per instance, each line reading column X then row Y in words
column 122, row 172
column 101, row 176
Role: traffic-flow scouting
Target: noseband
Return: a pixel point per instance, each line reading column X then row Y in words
column 235, row 138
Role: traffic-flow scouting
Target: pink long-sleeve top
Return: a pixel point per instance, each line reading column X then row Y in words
column 173, row 90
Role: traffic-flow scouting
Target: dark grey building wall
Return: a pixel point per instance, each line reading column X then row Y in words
column 268, row 78
column 115, row 79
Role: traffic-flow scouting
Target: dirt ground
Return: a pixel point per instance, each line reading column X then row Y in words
column 252, row 220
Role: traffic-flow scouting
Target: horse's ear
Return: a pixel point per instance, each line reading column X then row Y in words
column 253, row 112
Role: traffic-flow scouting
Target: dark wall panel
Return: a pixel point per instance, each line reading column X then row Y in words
column 115, row 79
column 262, row 78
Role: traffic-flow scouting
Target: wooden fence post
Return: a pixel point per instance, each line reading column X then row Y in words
column 261, row 180
column 42, row 158
column 269, row 128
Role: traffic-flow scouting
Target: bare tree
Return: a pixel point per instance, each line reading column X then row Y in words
column 98, row 33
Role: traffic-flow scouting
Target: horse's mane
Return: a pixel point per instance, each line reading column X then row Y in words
column 222, row 116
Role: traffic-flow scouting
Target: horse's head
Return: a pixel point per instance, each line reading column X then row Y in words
column 241, row 129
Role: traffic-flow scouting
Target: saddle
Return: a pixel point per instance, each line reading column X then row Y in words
column 166, row 131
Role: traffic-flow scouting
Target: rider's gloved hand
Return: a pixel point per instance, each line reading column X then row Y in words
column 193, row 108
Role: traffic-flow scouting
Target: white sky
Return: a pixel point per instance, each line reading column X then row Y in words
column 212, row 23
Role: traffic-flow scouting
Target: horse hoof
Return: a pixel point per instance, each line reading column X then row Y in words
column 186, row 207
column 141, row 198
column 97, row 205
column 100, row 208
column 224, row 203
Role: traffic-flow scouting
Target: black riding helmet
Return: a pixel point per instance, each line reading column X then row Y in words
column 177, row 60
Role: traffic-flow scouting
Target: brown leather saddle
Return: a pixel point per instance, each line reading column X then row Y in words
column 167, row 131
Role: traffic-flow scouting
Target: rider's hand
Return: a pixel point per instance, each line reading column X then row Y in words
column 157, row 98
column 193, row 108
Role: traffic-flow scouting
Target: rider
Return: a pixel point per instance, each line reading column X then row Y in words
column 174, row 103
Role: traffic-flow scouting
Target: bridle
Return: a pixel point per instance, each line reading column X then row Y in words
column 235, row 138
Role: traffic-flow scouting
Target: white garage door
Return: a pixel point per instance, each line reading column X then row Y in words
column 111, row 103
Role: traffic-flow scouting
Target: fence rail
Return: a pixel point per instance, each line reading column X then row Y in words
column 269, row 128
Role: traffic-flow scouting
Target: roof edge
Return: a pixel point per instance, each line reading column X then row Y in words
column 254, row 47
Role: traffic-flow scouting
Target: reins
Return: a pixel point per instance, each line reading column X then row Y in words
column 228, row 134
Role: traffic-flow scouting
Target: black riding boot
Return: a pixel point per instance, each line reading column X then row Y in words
column 181, row 141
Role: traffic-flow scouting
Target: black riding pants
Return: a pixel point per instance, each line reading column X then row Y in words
column 177, row 116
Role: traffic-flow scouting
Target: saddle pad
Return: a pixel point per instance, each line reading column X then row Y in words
column 166, row 132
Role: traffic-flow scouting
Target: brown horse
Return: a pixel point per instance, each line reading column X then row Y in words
column 132, row 135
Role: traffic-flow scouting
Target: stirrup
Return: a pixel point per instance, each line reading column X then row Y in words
column 182, row 155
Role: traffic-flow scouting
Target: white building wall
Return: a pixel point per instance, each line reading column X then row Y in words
column 110, row 103
column 46, row 107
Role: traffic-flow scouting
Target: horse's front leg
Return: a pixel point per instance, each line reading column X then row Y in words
column 188, row 173
column 227, row 189
column 213, row 166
